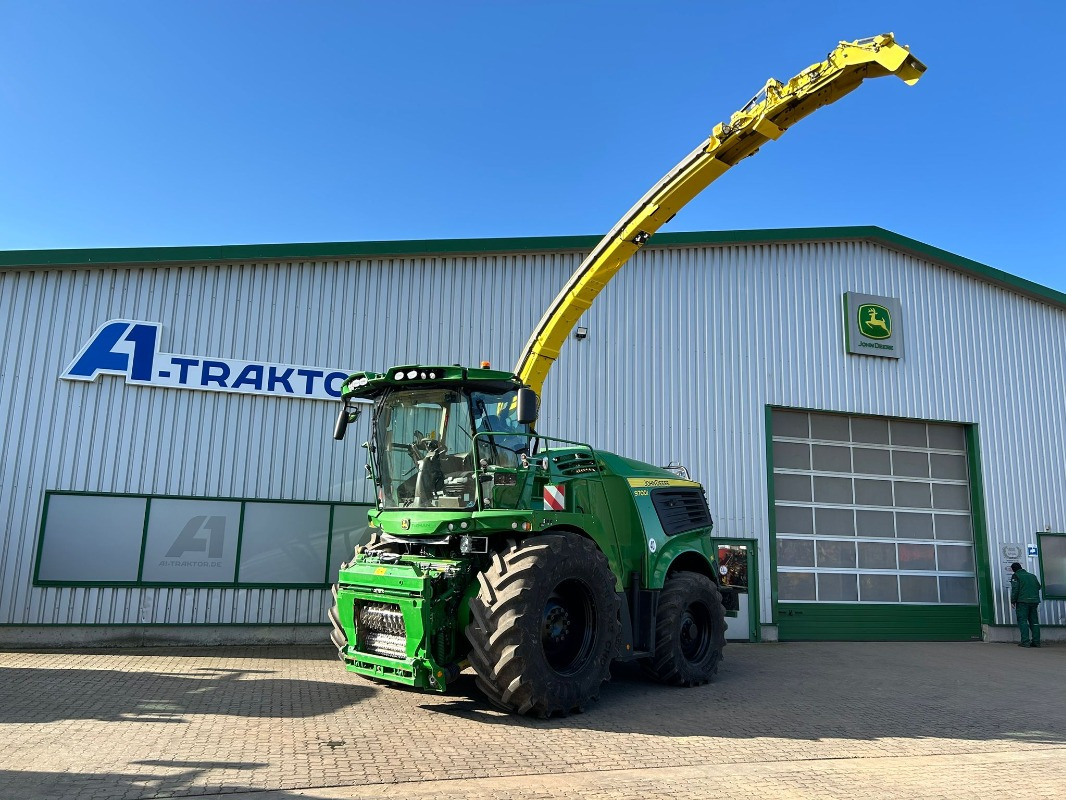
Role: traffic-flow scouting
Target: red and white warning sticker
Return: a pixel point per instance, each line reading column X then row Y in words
column 554, row 498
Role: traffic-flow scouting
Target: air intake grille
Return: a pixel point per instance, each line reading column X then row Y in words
column 681, row 510
column 576, row 464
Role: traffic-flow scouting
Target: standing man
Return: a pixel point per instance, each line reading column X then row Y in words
column 1025, row 597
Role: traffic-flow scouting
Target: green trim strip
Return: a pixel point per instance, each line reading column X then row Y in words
column 140, row 582
column 325, row 251
column 771, row 516
column 985, row 595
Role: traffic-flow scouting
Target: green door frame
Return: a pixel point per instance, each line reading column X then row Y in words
column 754, row 623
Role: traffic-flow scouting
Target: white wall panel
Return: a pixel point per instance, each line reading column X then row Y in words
column 686, row 347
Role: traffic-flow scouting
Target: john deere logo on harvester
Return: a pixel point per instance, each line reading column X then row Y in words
column 875, row 322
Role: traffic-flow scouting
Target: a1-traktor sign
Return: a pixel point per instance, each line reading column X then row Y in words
column 873, row 326
column 130, row 348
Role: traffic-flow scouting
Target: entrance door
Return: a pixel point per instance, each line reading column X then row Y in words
column 736, row 570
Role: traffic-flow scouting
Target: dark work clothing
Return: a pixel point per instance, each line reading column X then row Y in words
column 1025, row 594
column 1027, row 619
column 1024, row 587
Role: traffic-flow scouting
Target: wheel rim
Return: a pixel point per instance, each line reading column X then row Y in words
column 695, row 632
column 568, row 627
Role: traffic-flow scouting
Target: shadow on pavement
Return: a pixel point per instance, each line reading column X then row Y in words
column 825, row 690
column 48, row 695
column 183, row 782
column 284, row 652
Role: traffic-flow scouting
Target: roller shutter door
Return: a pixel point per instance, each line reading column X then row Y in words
column 872, row 528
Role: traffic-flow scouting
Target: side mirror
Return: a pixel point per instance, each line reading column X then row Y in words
column 342, row 423
column 527, row 406
column 347, row 415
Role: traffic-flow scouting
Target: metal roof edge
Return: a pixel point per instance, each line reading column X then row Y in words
column 147, row 256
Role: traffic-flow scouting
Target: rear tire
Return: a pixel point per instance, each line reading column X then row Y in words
column 689, row 631
column 544, row 625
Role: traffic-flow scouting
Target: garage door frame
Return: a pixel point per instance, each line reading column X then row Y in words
column 829, row 621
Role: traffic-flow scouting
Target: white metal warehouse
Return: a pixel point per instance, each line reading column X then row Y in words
column 878, row 423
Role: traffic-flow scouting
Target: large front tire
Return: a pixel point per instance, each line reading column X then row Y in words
column 689, row 631
column 544, row 625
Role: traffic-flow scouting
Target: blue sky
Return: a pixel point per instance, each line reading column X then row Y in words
column 153, row 123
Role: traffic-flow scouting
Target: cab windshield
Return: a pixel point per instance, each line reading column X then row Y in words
column 425, row 445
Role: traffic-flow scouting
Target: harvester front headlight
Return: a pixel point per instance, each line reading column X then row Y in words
column 398, row 376
column 413, row 373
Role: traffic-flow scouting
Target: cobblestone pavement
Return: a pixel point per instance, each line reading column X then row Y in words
column 827, row 720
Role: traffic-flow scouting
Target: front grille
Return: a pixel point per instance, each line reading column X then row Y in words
column 382, row 629
column 681, row 510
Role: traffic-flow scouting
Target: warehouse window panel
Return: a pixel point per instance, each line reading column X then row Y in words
column 917, row 556
column 914, row 525
column 879, row 588
column 835, row 555
column 957, row 590
column 947, row 437
column 792, row 487
column 918, row 589
column 873, row 493
column 796, row 586
column 954, row 558
column 95, row 539
column 951, row 496
column 791, row 423
column 910, row 464
column 794, row 519
column 872, row 462
column 946, row 465
column 869, row 430
column 792, row 455
column 795, row 552
column 191, row 541
column 831, row 458
column 834, row 522
column 875, row 524
column 912, row 495
column 954, row 527
column 284, row 543
column 833, row 490
column 830, row 426
column 1052, row 548
column 837, row 587
column 908, row 434
column 877, row 555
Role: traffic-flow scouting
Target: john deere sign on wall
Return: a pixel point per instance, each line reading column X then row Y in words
column 873, row 326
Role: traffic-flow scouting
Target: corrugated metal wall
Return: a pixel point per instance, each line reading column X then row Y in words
column 686, row 347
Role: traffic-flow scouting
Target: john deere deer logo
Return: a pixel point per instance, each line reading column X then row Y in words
column 405, row 523
column 875, row 322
